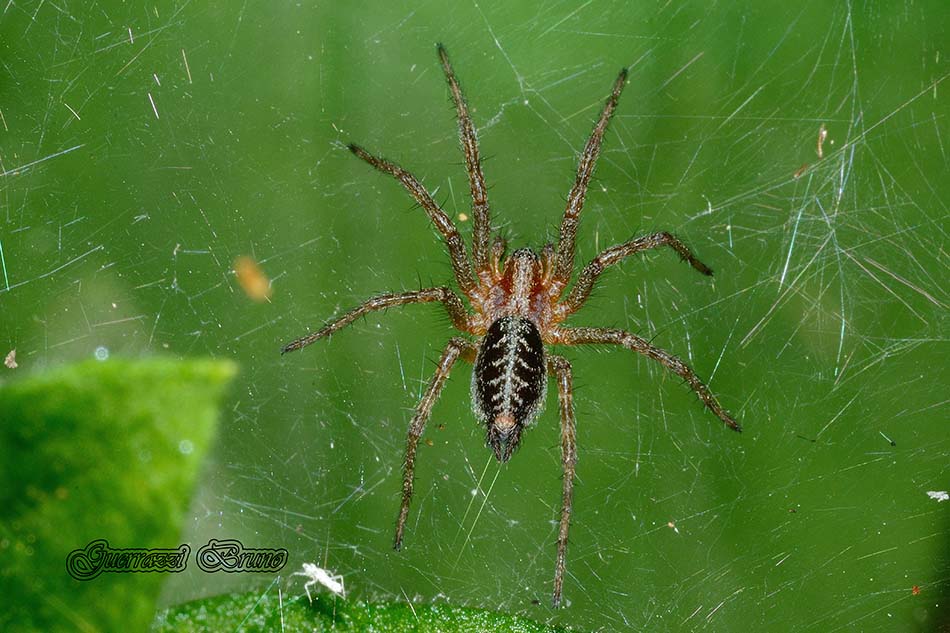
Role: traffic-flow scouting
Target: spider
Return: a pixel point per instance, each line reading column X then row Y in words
column 518, row 303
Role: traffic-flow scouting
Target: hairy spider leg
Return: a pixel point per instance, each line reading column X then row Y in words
column 453, row 305
column 561, row 369
column 481, row 218
column 595, row 336
column 588, row 277
column 442, row 222
column 575, row 200
column 455, row 348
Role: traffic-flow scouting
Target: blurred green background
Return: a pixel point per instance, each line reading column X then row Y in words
column 143, row 147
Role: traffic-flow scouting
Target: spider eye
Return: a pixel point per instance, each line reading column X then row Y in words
column 526, row 253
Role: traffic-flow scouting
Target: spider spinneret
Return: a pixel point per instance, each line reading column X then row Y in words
column 518, row 304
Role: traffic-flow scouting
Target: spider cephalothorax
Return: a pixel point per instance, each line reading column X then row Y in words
column 518, row 304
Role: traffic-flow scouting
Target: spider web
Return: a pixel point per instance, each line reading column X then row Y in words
column 144, row 148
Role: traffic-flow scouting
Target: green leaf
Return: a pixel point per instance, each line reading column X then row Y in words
column 249, row 612
column 98, row 450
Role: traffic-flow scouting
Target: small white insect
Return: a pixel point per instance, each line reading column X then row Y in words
column 319, row 576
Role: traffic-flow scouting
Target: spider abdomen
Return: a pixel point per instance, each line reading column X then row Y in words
column 509, row 381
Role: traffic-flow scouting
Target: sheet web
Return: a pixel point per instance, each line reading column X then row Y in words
column 144, row 151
